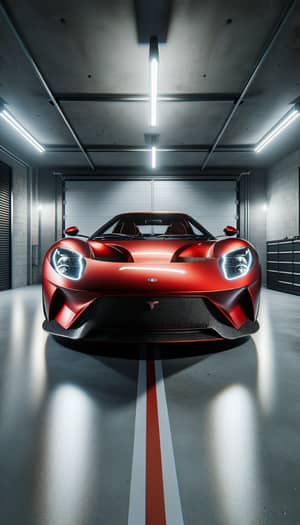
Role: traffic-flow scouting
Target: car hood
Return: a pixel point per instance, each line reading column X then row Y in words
column 160, row 251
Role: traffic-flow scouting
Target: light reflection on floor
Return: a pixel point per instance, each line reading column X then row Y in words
column 37, row 358
column 13, row 360
column 234, row 455
column 67, row 455
column 24, row 358
column 266, row 368
column 60, row 427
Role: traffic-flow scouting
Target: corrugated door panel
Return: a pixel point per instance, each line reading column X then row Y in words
column 5, row 228
column 89, row 204
column 212, row 203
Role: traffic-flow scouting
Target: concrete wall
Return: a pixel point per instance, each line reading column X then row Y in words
column 283, row 198
column 20, row 218
column 33, row 229
column 46, row 216
column 278, row 188
column 253, row 216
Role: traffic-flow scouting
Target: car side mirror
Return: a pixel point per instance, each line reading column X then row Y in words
column 72, row 230
column 230, row 230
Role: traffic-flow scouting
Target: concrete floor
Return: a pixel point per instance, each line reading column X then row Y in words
column 67, row 423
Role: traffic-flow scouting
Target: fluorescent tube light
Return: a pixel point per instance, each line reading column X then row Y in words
column 22, row 131
column 153, row 157
column 290, row 117
column 153, row 80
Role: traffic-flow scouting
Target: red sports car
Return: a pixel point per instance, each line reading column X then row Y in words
column 152, row 277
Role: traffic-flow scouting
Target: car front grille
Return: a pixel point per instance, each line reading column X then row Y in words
column 147, row 314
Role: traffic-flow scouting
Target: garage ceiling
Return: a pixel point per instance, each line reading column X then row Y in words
column 92, row 47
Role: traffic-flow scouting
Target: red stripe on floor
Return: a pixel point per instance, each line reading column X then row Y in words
column 155, row 505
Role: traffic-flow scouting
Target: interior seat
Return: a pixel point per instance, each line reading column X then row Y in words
column 127, row 228
column 178, row 228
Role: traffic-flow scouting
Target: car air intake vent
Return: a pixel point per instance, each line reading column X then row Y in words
column 197, row 252
column 110, row 252
column 190, row 259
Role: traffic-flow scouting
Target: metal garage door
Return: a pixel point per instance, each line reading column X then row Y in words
column 88, row 204
column 5, row 228
column 212, row 203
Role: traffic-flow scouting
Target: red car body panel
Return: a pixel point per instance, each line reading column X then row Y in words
column 151, row 270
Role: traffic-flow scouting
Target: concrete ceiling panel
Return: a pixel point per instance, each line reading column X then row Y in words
column 94, row 47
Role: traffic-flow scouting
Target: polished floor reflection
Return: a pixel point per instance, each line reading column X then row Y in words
column 67, row 422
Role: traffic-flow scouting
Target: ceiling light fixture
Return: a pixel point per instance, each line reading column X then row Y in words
column 288, row 118
column 153, row 157
column 154, row 58
column 152, row 142
column 19, row 129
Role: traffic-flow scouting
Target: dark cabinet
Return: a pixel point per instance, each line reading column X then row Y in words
column 283, row 265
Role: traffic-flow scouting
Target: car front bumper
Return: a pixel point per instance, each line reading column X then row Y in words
column 154, row 319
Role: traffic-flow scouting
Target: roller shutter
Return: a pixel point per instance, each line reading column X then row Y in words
column 88, row 204
column 212, row 203
column 5, row 227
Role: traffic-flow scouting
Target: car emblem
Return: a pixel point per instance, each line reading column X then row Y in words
column 152, row 279
column 152, row 304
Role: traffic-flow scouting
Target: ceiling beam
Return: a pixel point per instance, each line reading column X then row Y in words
column 14, row 157
column 269, row 45
column 139, row 172
column 113, row 148
column 138, row 97
column 13, row 27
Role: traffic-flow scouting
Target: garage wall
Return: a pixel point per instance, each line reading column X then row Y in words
column 20, row 217
column 253, row 216
column 46, row 218
column 283, row 198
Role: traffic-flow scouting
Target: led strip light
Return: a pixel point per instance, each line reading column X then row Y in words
column 22, row 131
column 276, row 130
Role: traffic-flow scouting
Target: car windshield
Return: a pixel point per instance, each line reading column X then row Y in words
column 152, row 225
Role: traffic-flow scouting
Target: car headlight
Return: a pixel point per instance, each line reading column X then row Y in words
column 236, row 263
column 68, row 263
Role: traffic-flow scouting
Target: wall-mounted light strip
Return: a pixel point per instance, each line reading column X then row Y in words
column 19, row 129
column 290, row 117
column 154, row 58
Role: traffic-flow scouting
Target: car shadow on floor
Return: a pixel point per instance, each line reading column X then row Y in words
column 124, row 358
column 137, row 351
